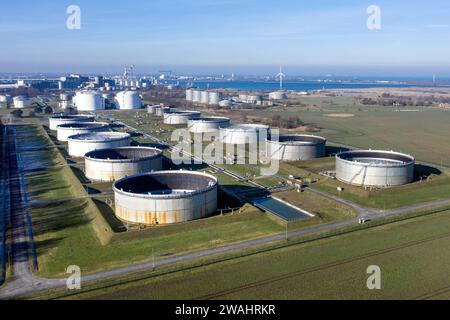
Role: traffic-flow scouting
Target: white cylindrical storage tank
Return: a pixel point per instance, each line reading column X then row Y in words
column 189, row 94
column 374, row 168
column 159, row 112
column 80, row 144
column 57, row 120
column 277, row 95
column 214, row 98
column 64, row 131
column 204, row 97
column 21, row 102
column 128, row 100
column 207, row 124
column 89, row 101
column 117, row 163
column 6, row 99
column 294, row 147
column 225, row 103
column 244, row 133
column 243, row 97
column 196, row 95
column 253, row 98
column 180, row 117
column 165, row 197
column 152, row 108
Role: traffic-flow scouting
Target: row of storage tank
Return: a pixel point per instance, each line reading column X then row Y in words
column 90, row 100
column 365, row 168
column 86, row 100
column 215, row 98
column 202, row 96
column 17, row 102
column 144, row 193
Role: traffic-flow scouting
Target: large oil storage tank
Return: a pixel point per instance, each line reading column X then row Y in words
column 214, row 98
column 128, row 100
column 189, row 94
column 57, row 120
column 117, row 163
column 21, row 102
column 81, row 144
column 64, row 131
column 88, row 101
column 204, row 97
column 244, row 133
column 165, row 197
column 374, row 168
column 207, row 124
column 196, row 95
column 294, row 147
column 180, row 117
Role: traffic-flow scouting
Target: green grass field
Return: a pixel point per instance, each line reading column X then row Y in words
column 410, row 253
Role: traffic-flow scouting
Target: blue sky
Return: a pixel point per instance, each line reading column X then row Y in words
column 246, row 36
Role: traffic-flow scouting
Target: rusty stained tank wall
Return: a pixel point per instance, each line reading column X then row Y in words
column 160, row 209
column 122, row 162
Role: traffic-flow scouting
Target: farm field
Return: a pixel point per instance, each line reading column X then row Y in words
column 333, row 268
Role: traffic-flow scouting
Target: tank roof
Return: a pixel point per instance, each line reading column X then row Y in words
column 124, row 154
column 80, row 125
column 100, row 136
column 299, row 139
column 376, row 157
column 166, row 184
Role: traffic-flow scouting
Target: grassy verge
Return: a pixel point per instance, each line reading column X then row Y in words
column 393, row 197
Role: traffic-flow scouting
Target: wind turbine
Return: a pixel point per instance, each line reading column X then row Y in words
column 281, row 75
